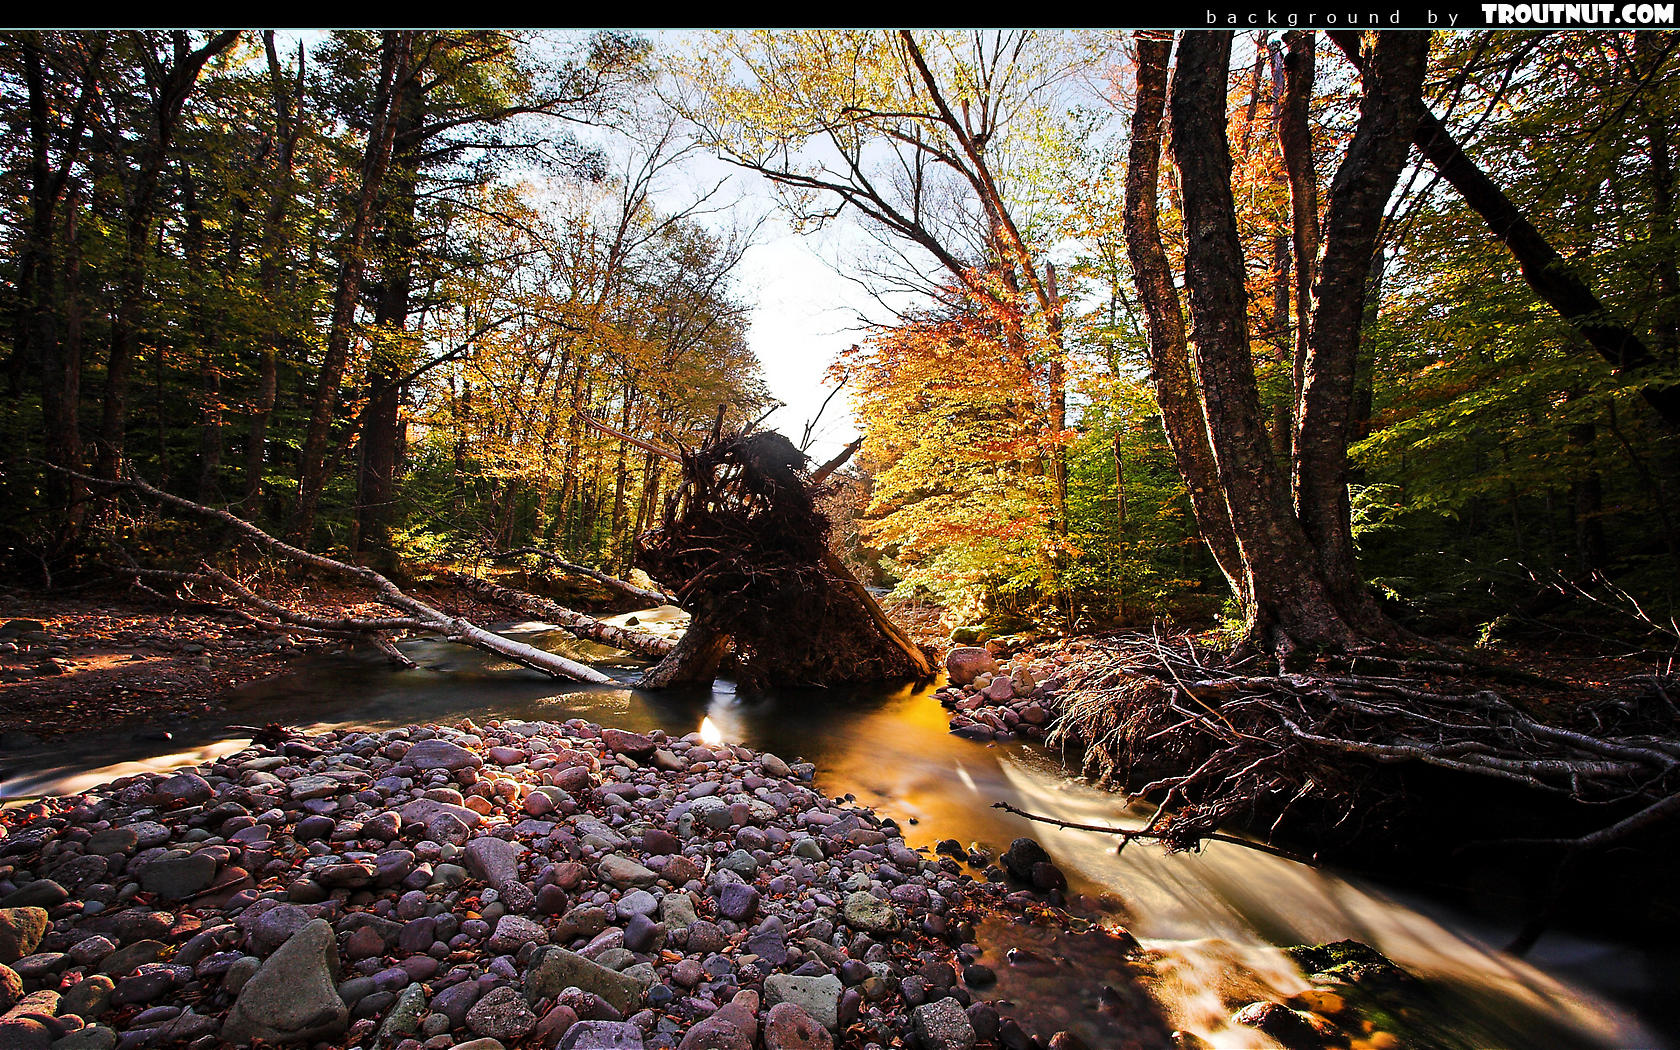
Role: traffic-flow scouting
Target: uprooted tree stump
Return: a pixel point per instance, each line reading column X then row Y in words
column 744, row 546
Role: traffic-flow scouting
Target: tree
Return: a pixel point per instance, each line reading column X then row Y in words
column 1290, row 553
column 927, row 137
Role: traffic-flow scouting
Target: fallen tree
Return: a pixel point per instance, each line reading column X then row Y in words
column 574, row 623
column 624, row 587
column 743, row 546
column 417, row 616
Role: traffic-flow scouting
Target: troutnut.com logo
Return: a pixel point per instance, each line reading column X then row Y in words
column 1579, row 14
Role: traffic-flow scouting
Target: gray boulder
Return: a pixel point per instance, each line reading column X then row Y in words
column 292, row 998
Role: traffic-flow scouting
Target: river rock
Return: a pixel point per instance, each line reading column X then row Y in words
column 178, row 874
column 439, row 754
column 21, row 930
column 602, row 1035
column 556, row 969
column 11, row 987
column 943, row 1025
column 42, row 893
column 1020, row 857
column 292, row 997
column 183, row 789
column 623, row 872
column 817, row 996
column 965, row 662
column 514, row 932
column 865, row 911
column 502, row 1014
column 622, row 742
column 788, row 1027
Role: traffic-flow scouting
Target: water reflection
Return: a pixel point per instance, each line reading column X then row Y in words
column 1208, row 915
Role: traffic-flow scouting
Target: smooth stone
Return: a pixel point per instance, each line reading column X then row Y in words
column 438, row 754
column 291, row 997
column 602, row 1035
column 623, row 872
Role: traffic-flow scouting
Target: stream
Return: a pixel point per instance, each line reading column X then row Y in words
column 1212, row 921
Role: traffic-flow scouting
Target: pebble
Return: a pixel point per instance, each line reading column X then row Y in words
column 420, row 887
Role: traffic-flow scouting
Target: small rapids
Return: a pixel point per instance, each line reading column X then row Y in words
column 1211, row 925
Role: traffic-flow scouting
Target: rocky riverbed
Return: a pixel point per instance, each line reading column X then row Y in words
column 533, row 884
column 996, row 696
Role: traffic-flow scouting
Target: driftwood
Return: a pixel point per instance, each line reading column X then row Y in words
column 624, row 587
column 745, row 549
column 418, row 616
column 574, row 623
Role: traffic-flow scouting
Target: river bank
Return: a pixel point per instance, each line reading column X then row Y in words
column 530, row 883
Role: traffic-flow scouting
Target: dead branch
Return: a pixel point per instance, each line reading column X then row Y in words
column 624, row 587
column 420, row 615
column 1131, row 834
column 575, row 623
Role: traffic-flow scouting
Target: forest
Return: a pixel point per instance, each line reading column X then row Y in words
column 1256, row 444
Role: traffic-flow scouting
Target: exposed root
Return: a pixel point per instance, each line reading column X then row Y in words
column 1239, row 745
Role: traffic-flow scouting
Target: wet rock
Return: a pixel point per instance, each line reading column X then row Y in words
column 20, row 931
column 291, row 998
column 1019, row 858
column 943, row 1025
column 1292, row 1029
column 501, row 1014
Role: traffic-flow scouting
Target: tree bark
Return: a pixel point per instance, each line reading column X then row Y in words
column 1287, row 607
column 1169, row 358
column 1390, row 101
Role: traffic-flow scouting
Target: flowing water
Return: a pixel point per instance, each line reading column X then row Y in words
column 1212, row 921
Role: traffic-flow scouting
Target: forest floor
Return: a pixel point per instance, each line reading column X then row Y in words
column 120, row 657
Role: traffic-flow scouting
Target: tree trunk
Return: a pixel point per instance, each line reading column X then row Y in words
column 173, row 85
column 381, row 421
column 394, row 82
column 1388, row 112
column 1286, row 606
column 1169, row 359
column 274, row 240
